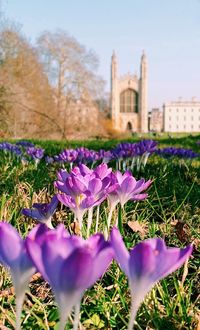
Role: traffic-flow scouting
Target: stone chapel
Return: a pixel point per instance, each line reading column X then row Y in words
column 129, row 107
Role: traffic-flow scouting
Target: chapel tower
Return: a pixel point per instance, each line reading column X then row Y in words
column 129, row 108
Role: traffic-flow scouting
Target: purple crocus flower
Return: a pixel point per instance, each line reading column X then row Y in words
column 127, row 188
column 69, row 263
column 35, row 153
column 13, row 255
column 147, row 263
column 83, row 188
column 42, row 212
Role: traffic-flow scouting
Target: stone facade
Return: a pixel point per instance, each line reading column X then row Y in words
column 156, row 120
column 129, row 108
column 182, row 116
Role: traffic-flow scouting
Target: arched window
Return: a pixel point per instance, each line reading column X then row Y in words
column 129, row 101
column 129, row 127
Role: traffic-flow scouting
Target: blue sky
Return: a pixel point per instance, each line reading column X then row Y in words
column 168, row 31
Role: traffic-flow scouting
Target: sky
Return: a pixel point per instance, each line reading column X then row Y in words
column 167, row 30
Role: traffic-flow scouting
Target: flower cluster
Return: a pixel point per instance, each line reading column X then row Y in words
column 83, row 188
column 9, row 148
column 177, row 152
column 23, row 151
column 35, row 153
column 128, row 156
column 71, row 264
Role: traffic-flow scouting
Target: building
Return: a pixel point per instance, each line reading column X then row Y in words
column 182, row 116
column 129, row 108
column 156, row 120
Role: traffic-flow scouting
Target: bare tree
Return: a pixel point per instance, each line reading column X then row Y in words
column 28, row 93
column 71, row 70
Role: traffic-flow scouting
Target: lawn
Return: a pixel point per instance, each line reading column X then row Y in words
column 171, row 212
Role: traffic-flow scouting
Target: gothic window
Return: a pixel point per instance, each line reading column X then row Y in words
column 129, row 101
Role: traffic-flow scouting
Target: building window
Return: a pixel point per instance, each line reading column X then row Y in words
column 192, row 126
column 177, row 126
column 177, row 110
column 129, row 101
column 184, row 110
column 169, row 118
column 192, row 110
column 192, row 118
column 184, row 117
column 184, row 126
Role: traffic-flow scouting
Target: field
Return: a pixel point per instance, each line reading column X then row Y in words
column 171, row 212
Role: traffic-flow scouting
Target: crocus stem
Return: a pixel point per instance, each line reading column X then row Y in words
column 63, row 319
column 97, row 219
column 120, row 226
column 109, row 222
column 76, row 316
column 133, row 163
column 89, row 223
column 19, row 304
column 133, row 313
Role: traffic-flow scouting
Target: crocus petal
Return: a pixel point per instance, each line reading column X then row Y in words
column 101, row 263
column 10, row 245
column 66, row 200
column 83, row 169
column 62, row 175
column 120, row 250
column 54, row 251
column 35, row 254
column 102, row 171
column 79, row 184
column 95, row 186
column 128, row 185
column 60, row 185
column 33, row 213
column 142, row 260
column 96, row 243
column 139, row 197
column 119, row 177
column 76, row 270
column 169, row 259
column 53, row 205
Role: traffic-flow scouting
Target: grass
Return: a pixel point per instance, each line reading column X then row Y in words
column 172, row 212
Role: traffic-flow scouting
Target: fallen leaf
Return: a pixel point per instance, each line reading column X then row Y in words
column 138, row 227
column 181, row 231
column 75, row 228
